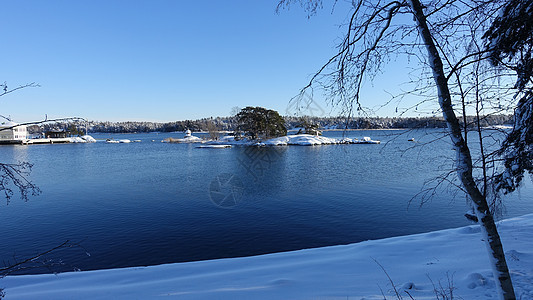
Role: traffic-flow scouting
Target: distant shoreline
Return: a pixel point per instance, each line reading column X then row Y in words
column 360, row 129
column 229, row 124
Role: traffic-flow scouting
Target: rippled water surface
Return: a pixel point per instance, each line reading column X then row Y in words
column 150, row 202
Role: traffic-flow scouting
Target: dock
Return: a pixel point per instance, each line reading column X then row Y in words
column 47, row 141
column 37, row 141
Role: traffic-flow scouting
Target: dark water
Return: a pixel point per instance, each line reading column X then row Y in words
column 150, row 203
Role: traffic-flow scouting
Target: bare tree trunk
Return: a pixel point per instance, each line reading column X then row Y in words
column 464, row 161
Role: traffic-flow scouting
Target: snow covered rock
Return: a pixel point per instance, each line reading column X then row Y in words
column 89, row 139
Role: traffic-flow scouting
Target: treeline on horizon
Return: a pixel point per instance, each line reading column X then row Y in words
column 230, row 124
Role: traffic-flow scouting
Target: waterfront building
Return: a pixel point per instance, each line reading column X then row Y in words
column 13, row 133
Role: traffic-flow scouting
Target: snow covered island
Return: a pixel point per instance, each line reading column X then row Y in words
column 310, row 140
column 296, row 139
column 188, row 138
column 418, row 265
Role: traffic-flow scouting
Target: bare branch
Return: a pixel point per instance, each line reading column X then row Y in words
column 44, row 121
column 4, row 271
column 5, row 89
column 17, row 175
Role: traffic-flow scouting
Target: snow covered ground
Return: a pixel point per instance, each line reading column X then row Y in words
column 417, row 264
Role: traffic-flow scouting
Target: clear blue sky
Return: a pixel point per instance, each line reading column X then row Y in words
column 163, row 60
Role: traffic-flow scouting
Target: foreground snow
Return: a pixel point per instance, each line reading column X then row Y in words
column 416, row 264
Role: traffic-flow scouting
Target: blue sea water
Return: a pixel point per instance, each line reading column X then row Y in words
column 150, row 203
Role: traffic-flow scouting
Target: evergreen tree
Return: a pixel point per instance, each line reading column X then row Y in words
column 258, row 122
column 510, row 42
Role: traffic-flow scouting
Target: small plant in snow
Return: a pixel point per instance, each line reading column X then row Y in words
column 444, row 292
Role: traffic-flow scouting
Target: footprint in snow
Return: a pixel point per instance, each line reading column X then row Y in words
column 475, row 279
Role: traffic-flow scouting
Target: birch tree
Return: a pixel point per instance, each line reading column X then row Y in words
column 444, row 38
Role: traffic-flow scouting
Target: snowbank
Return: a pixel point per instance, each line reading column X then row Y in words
column 338, row 272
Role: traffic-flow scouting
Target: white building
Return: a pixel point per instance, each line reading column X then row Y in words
column 11, row 132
